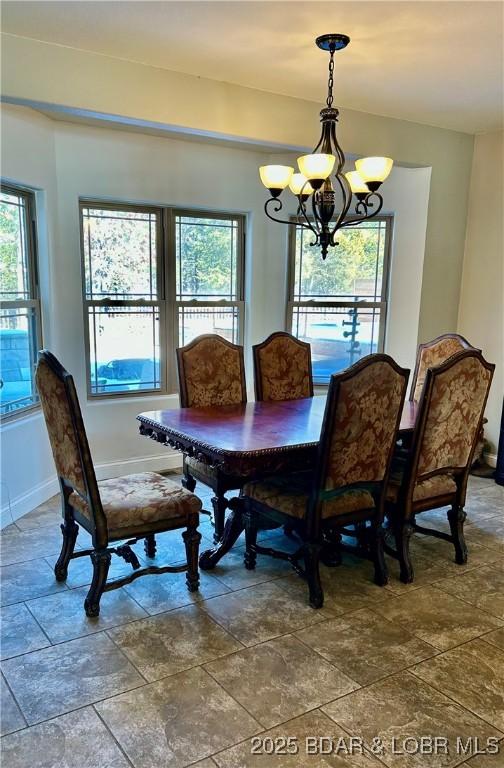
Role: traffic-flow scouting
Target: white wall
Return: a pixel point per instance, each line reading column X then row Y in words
column 28, row 157
column 481, row 309
column 104, row 163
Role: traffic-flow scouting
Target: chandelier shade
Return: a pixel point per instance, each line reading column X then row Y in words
column 299, row 185
column 322, row 179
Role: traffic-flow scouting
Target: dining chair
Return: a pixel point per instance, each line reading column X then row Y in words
column 434, row 470
column 434, row 353
column 211, row 371
column 123, row 509
column 282, row 368
column 361, row 420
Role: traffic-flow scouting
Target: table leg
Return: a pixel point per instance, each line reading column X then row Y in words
column 232, row 530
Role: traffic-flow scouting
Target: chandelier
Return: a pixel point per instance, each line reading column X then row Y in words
column 319, row 170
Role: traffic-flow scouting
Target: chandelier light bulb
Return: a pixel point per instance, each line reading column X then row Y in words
column 374, row 168
column 276, row 177
column 316, row 167
column 357, row 183
column 299, row 185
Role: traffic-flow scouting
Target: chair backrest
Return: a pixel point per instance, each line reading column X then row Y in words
column 211, row 371
column 282, row 368
column 67, row 435
column 362, row 417
column 434, row 353
column 450, row 415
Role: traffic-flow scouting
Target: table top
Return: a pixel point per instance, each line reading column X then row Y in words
column 253, row 428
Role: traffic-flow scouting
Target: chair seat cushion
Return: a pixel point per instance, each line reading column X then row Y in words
column 439, row 485
column 136, row 500
column 289, row 494
column 201, row 471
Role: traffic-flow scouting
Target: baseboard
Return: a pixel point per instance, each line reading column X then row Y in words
column 24, row 503
column 491, row 459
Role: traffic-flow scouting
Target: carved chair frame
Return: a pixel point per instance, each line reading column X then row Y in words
column 97, row 526
column 218, row 481
column 256, row 350
column 313, row 530
column 403, row 511
column 464, row 344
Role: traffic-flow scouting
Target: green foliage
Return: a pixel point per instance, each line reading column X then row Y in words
column 348, row 267
column 10, row 249
column 204, row 259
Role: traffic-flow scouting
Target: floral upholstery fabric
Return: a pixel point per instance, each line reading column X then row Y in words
column 134, row 500
column 284, row 369
column 289, row 494
column 455, row 411
column 57, row 414
column 433, row 355
column 200, row 471
column 439, row 485
column 365, row 425
column 213, row 374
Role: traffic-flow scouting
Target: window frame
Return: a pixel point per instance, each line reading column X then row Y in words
column 34, row 302
column 382, row 304
column 166, row 288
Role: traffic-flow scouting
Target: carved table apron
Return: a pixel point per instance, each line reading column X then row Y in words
column 248, row 441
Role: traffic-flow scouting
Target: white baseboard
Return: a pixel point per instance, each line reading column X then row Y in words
column 491, row 459
column 43, row 491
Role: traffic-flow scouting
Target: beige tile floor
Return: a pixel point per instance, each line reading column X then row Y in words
column 168, row 679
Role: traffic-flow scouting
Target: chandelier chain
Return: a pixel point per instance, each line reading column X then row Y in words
column 330, row 82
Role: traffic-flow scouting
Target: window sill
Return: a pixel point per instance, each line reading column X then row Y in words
column 24, row 415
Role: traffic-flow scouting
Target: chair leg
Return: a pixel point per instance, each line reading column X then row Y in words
column 150, row 545
column 188, row 482
column 101, row 562
column 250, row 557
column 311, row 559
column 219, row 504
column 403, row 531
column 70, row 530
column 456, row 518
column 192, row 538
column 380, row 566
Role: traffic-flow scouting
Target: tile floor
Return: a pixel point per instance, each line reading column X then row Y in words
column 167, row 679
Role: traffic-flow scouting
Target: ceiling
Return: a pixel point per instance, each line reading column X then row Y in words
column 438, row 63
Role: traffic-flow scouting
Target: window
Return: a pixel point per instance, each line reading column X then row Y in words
column 154, row 279
column 339, row 305
column 20, row 325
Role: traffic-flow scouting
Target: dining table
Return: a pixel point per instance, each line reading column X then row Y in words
column 249, row 441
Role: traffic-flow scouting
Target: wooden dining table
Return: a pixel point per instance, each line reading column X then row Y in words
column 248, row 441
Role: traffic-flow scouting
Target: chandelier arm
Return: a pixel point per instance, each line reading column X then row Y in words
column 278, row 207
column 308, row 224
column 316, row 215
column 347, row 201
column 366, row 216
column 338, row 151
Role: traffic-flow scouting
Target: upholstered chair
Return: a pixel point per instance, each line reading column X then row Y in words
column 434, row 353
column 282, row 368
column 211, row 371
column 434, row 470
column 124, row 509
column 362, row 417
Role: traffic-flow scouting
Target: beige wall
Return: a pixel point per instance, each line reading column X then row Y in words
column 481, row 311
column 82, row 81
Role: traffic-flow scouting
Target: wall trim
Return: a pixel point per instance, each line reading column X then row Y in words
column 43, row 491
